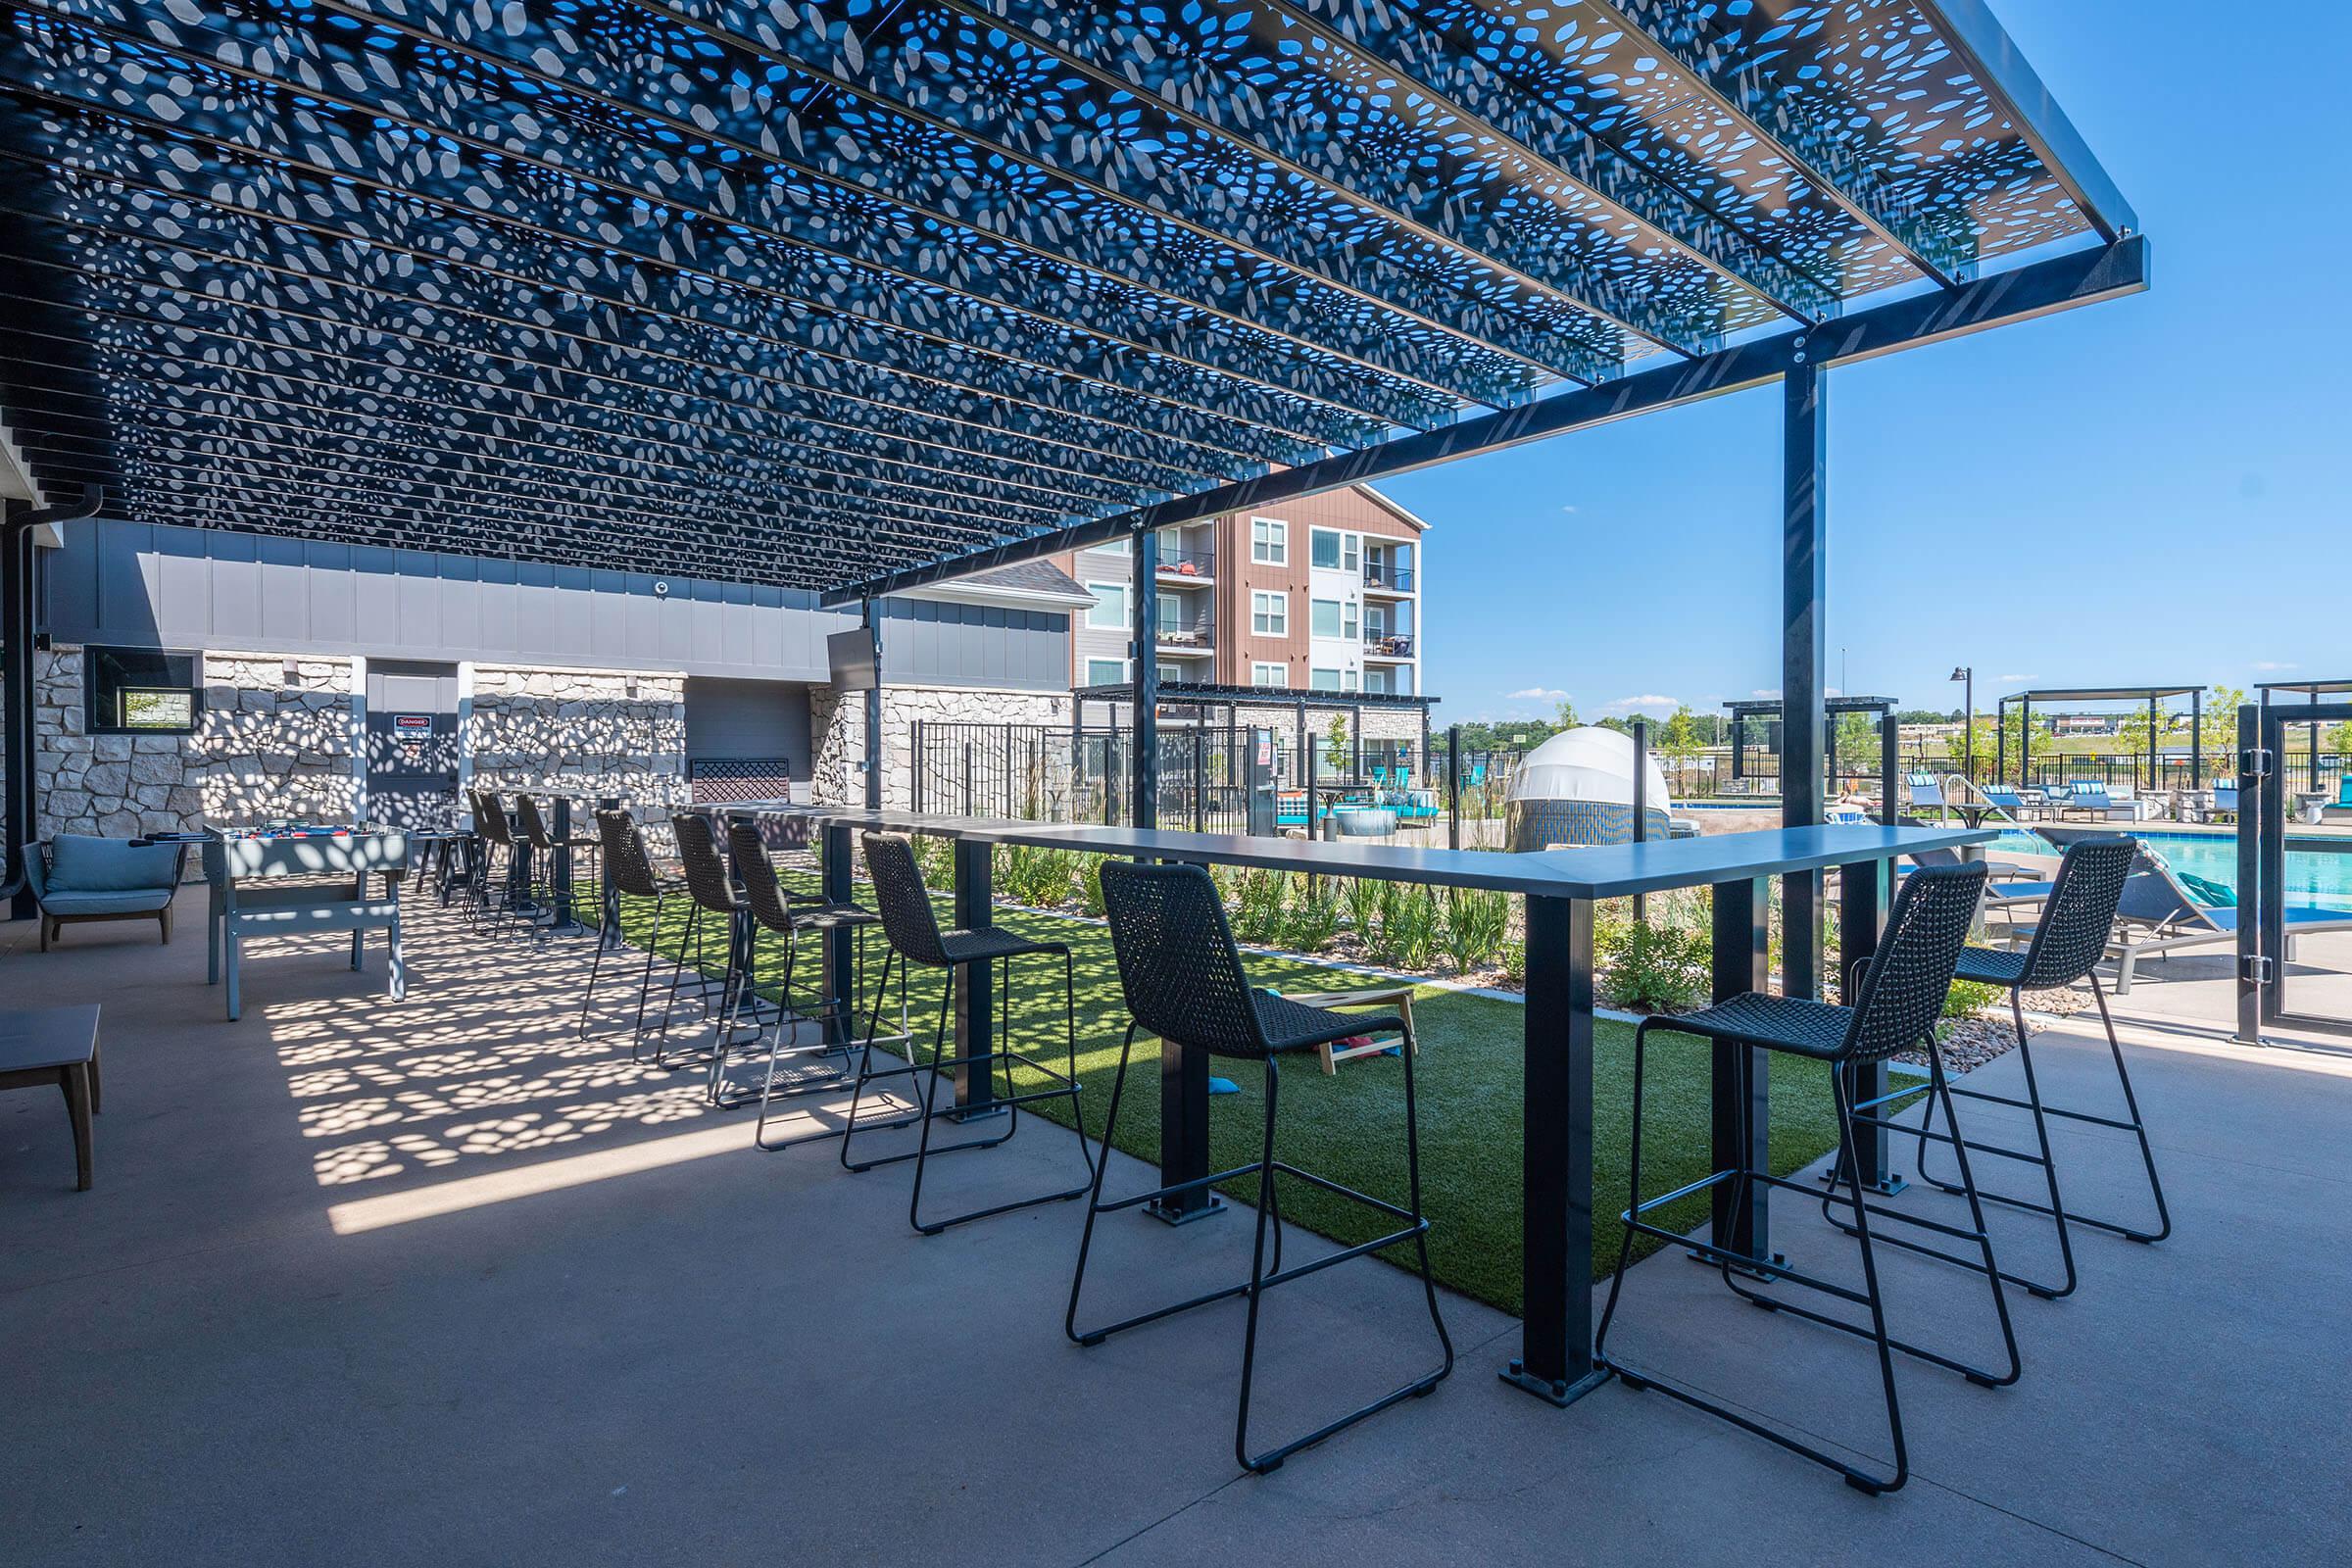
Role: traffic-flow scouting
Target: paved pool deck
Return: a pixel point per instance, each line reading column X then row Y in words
column 438, row 1283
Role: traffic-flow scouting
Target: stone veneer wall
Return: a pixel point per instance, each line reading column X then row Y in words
column 580, row 733
column 837, row 720
column 264, row 746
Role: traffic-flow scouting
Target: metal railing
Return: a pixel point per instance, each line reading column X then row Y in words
column 1389, row 645
column 1387, row 574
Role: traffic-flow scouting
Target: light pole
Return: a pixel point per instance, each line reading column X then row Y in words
column 1967, row 674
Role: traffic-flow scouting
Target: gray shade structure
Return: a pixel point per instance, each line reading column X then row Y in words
column 848, row 295
column 2153, row 695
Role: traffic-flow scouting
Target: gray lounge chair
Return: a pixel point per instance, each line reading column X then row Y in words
column 2160, row 914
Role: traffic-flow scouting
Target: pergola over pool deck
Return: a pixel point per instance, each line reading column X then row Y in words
column 858, row 297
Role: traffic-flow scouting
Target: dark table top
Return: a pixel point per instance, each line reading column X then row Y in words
column 47, row 1037
column 1610, row 871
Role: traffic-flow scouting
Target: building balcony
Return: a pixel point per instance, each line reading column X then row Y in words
column 1381, row 578
column 1187, row 569
column 1181, row 640
column 1383, row 646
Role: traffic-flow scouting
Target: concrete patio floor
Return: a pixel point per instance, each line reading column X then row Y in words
column 435, row 1282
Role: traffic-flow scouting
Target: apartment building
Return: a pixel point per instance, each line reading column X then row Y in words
column 1320, row 595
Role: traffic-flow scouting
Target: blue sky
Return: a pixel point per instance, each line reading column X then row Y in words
column 2152, row 489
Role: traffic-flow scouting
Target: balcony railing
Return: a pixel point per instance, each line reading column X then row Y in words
column 1385, row 574
column 1192, row 638
column 1183, row 566
column 1377, row 645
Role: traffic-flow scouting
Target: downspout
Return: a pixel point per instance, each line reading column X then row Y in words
column 19, row 593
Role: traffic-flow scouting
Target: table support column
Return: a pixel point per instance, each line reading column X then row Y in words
column 1742, row 1081
column 838, row 882
column 1556, row 1350
column 975, row 986
column 1803, row 726
column 560, row 875
column 1184, row 1133
column 1861, row 913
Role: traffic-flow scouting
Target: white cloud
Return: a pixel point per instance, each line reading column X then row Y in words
column 2013, row 677
column 1570, row 509
column 1647, row 699
column 1766, row 694
column 1538, row 694
column 2268, row 666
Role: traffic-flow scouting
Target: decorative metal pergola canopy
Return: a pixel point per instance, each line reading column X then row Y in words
column 858, row 294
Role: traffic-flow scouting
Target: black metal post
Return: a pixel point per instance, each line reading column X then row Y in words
column 1803, row 586
column 2196, row 740
column 838, row 882
column 1453, row 783
column 2025, row 743
column 20, row 594
column 1199, row 769
column 16, row 696
column 920, row 764
column 1556, row 1336
column 1314, row 760
column 1146, row 684
column 1740, row 1084
column 2253, row 798
column 2152, row 714
column 1640, row 804
column 1890, row 741
column 560, row 874
column 975, row 983
column 1968, row 727
column 2000, row 738
column 873, row 709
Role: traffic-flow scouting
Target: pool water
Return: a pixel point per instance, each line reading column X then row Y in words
column 2320, row 878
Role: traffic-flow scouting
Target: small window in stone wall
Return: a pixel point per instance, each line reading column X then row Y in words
column 141, row 691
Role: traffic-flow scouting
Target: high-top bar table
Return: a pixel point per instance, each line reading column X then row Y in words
column 1561, row 888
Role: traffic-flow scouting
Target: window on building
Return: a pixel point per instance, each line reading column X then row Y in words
column 1322, row 680
column 1107, row 672
column 1109, row 611
column 1270, row 542
column 1277, row 676
column 1270, row 614
column 1335, row 551
column 140, row 691
column 1378, row 682
column 1348, row 679
column 1323, row 617
column 1169, row 609
column 1169, row 673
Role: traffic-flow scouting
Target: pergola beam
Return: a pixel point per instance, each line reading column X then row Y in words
column 2041, row 288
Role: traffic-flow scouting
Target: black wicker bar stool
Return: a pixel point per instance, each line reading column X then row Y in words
column 545, row 847
column 786, row 914
column 1896, row 1004
column 915, row 937
column 2068, row 943
column 712, row 892
column 631, row 869
column 1184, row 982
column 494, row 896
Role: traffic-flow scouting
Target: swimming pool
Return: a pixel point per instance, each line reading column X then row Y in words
column 2312, row 877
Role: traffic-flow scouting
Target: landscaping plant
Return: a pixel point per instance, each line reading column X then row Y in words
column 1361, row 896
column 1314, row 918
column 1257, row 915
column 1409, row 923
column 1475, row 919
column 1661, row 966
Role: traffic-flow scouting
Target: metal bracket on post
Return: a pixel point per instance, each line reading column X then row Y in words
column 2255, row 969
column 2254, row 763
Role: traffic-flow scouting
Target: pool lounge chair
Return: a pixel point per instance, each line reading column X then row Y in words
column 2160, row 914
column 1927, row 792
column 2011, row 803
column 2341, row 812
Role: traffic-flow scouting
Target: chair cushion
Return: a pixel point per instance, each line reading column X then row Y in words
column 81, row 862
column 78, row 901
column 967, row 946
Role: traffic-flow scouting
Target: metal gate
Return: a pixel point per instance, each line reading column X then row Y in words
column 2265, row 941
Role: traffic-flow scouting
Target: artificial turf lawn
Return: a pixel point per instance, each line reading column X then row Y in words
column 1349, row 1127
